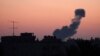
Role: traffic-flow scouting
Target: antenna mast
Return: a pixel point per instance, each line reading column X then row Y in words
column 13, row 27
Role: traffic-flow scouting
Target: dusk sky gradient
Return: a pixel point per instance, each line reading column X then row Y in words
column 44, row 16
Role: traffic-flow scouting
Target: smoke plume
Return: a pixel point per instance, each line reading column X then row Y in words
column 66, row 31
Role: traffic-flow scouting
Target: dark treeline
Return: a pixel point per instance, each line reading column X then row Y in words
column 28, row 45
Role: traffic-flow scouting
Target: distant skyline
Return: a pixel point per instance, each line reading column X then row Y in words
column 44, row 16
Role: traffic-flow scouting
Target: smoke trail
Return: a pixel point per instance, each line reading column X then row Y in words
column 72, row 29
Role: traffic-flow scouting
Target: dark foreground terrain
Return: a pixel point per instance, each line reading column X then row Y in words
column 28, row 45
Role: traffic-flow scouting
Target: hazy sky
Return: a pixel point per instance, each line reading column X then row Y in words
column 44, row 16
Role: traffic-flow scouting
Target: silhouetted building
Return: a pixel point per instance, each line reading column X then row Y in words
column 24, row 37
column 50, row 39
column 26, row 45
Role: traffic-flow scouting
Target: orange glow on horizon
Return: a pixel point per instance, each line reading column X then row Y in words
column 44, row 16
